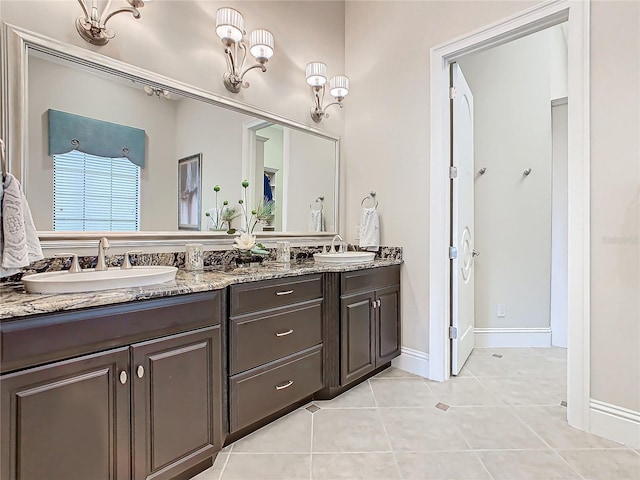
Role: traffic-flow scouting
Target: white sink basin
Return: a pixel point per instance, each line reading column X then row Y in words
column 345, row 257
column 91, row 280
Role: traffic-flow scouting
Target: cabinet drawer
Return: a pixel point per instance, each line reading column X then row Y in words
column 362, row 280
column 259, row 339
column 260, row 392
column 256, row 296
column 45, row 338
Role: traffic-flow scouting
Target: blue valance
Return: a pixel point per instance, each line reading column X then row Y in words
column 96, row 137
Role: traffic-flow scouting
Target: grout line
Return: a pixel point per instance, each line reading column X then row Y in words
column 224, row 466
column 477, row 455
column 311, row 447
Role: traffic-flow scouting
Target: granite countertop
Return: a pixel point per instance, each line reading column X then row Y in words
column 15, row 302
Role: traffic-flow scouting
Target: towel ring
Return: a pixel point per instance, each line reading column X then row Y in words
column 320, row 201
column 372, row 197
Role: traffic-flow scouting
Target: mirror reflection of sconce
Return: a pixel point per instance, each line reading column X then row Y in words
column 230, row 29
column 158, row 92
column 526, row 172
column 316, row 73
column 92, row 26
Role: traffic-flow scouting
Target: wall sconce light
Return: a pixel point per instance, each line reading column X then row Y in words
column 230, row 29
column 93, row 26
column 316, row 73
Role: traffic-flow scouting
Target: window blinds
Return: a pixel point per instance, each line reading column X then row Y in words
column 92, row 193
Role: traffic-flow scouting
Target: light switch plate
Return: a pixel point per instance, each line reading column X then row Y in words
column 501, row 310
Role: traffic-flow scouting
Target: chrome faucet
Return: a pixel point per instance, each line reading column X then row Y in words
column 102, row 246
column 333, row 244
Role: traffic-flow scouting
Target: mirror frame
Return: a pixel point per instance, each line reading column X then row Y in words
column 18, row 42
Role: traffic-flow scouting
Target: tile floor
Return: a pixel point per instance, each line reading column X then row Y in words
column 501, row 419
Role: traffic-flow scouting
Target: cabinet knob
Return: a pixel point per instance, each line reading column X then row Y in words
column 286, row 292
column 284, row 334
column 379, row 302
column 374, row 304
column 123, row 377
column 284, row 385
column 140, row 371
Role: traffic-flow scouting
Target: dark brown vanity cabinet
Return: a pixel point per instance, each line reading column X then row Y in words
column 151, row 408
column 369, row 321
column 275, row 346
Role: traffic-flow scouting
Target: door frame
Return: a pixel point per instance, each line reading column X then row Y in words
column 528, row 21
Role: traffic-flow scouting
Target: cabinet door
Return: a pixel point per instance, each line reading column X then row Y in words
column 356, row 337
column 177, row 418
column 388, row 340
column 67, row 420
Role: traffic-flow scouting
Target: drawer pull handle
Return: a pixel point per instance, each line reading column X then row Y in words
column 286, row 292
column 284, row 334
column 284, row 385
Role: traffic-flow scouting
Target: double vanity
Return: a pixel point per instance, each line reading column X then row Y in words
column 151, row 382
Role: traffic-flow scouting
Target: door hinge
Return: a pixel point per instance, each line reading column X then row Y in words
column 453, row 92
column 453, row 172
column 453, row 253
column 453, row 333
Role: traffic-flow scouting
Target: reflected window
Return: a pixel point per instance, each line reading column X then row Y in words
column 92, row 193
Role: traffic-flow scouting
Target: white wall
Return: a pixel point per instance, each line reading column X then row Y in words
column 217, row 134
column 511, row 87
column 177, row 38
column 387, row 146
column 313, row 155
column 615, row 203
column 85, row 94
column 387, row 127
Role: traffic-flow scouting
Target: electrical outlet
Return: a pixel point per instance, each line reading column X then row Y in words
column 501, row 310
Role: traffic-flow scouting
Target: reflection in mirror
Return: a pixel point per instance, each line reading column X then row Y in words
column 287, row 166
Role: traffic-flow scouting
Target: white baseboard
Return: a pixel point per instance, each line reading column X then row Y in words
column 615, row 423
column 412, row 361
column 513, row 337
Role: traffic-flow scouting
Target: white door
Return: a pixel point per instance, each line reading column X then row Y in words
column 462, row 228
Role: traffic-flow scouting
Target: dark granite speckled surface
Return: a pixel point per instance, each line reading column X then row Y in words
column 218, row 274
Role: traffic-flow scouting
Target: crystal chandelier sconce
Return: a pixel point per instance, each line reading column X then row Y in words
column 316, row 73
column 230, row 29
column 92, row 26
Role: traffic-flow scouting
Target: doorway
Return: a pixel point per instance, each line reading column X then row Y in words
column 529, row 21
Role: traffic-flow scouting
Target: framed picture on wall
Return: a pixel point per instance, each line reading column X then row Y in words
column 189, row 197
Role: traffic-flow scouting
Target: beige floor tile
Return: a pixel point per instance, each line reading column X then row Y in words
column 392, row 372
column 283, row 466
column 421, row 430
column 514, row 362
column 550, row 423
column 604, row 464
column 402, row 392
column 494, row 428
column 349, row 430
column 527, row 465
column 441, row 466
column 462, row 392
column 214, row 472
column 527, row 390
column 359, row 396
column 289, row 434
column 354, row 466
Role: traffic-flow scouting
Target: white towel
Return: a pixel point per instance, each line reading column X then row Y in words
column 370, row 229
column 315, row 221
column 19, row 244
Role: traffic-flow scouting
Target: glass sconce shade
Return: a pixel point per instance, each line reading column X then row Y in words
column 262, row 45
column 316, row 73
column 339, row 86
column 229, row 24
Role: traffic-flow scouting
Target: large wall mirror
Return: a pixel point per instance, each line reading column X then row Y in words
column 193, row 142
